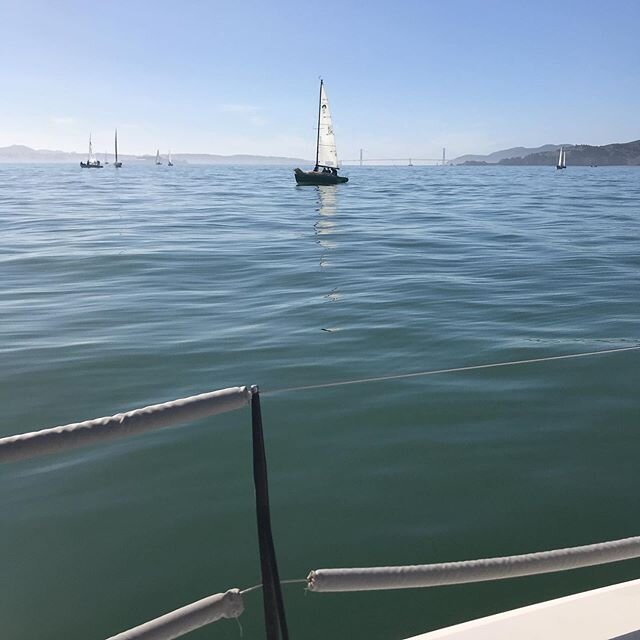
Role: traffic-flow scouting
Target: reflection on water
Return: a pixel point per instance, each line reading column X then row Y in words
column 325, row 225
column 325, row 228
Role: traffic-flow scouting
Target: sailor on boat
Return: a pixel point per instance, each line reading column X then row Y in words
column 326, row 167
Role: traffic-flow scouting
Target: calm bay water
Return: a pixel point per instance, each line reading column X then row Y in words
column 121, row 289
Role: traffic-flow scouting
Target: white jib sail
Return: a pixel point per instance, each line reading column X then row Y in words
column 560, row 158
column 327, row 155
column 564, row 158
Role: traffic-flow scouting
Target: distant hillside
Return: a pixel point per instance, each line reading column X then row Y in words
column 209, row 158
column 18, row 153
column 626, row 153
column 496, row 156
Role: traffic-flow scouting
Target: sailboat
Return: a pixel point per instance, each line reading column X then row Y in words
column 562, row 159
column 170, row 164
column 117, row 164
column 158, row 161
column 91, row 162
column 326, row 169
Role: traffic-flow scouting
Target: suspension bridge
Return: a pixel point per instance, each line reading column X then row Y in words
column 408, row 161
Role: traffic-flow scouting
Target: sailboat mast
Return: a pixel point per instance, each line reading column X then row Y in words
column 319, row 110
column 116, row 145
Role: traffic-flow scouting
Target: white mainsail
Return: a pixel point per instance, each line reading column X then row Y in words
column 91, row 158
column 327, row 155
column 564, row 159
column 560, row 158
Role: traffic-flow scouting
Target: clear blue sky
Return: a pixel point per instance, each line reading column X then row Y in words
column 404, row 78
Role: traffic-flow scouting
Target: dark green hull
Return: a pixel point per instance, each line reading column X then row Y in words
column 317, row 177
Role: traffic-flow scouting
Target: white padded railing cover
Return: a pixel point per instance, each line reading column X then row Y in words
column 188, row 618
column 156, row 416
column 434, row 575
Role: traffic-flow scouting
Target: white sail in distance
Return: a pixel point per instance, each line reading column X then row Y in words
column 91, row 158
column 564, row 158
column 327, row 155
column 560, row 158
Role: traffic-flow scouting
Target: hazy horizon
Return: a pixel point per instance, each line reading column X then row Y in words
column 403, row 81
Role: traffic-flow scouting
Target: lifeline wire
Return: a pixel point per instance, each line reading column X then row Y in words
column 259, row 586
column 417, row 374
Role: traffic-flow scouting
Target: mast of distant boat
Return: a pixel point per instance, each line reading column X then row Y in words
column 318, row 138
column 158, row 157
column 116, row 164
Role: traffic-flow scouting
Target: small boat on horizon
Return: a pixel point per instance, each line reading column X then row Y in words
column 169, row 163
column 92, row 162
column 117, row 164
column 158, row 161
column 562, row 159
column 326, row 169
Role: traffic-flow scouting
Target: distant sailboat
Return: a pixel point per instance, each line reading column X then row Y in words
column 106, row 156
column 170, row 164
column 91, row 162
column 117, row 164
column 326, row 169
column 158, row 161
column 410, row 163
column 562, row 159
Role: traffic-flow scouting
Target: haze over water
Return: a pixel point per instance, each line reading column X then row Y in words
column 122, row 289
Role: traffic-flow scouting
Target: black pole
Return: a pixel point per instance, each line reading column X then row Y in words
column 318, row 140
column 274, row 614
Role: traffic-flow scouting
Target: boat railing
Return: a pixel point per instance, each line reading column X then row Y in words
column 121, row 425
column 230, row 603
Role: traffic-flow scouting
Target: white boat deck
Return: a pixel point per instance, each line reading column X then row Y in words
column 609, row 613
